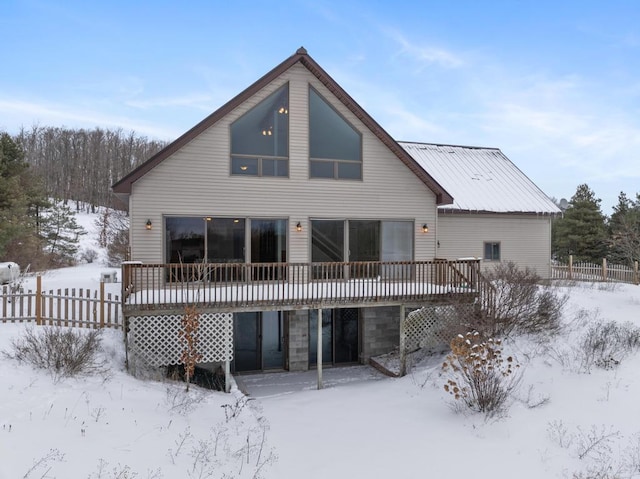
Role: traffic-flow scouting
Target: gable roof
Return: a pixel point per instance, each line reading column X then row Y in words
column 123, row 186
column 480, row 180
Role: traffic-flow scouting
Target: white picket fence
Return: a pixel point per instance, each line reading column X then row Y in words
column 603, row 272
column 82, row 308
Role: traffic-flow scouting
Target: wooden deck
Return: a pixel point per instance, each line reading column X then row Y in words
column 234, row 287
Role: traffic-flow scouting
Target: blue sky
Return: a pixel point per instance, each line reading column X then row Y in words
column 554, row 85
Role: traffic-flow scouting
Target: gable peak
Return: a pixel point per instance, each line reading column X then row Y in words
column 301, row 51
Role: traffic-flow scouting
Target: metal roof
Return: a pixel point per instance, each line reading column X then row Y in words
column 480, row 179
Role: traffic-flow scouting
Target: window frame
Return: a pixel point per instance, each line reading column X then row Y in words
column 492, row 245
column 259, row 158
column 336, row 162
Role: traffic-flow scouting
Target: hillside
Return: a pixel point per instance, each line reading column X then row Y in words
column 570, row 419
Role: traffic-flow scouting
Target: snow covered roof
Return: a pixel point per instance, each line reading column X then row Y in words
column 480, row 179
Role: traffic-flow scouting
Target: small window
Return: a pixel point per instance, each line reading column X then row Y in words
column 260, row 138
column 335, row 147
column 491, row 251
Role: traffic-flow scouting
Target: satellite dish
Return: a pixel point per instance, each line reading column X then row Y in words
column 564, row 204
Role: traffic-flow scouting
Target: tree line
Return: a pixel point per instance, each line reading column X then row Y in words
column 44, row 171
column 586, row 233
column 80, row 164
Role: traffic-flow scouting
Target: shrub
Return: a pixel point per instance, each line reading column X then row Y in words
column 522, row 304
column 88, row 255
column 605, row 344
column 478, row 375
column 62, row 351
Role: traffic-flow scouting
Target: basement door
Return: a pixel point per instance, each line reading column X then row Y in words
column 340, row 340
column 258, row 341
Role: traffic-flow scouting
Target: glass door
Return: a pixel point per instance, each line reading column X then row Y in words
column 258, row 341
column 340, row 340
column 246, row 333
column 272, row 340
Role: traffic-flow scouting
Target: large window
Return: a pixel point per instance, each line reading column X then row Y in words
column 260, row 138
column 227, row 240
column 335, row 147
column 361, row 241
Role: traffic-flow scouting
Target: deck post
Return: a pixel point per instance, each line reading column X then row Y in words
column 319, row 349
column 227, row 376
column 402, row 347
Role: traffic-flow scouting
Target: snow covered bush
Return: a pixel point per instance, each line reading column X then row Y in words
column 62, row 351
column 605, row 344
column 477, row 375
column 522, row 303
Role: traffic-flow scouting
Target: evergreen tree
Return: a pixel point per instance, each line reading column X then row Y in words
column 61, row 234
column 581, row 232
column 624, row 231
column 21, row 198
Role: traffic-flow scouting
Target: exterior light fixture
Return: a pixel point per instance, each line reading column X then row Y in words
column 244, row 167
column 425, row 228
column 298, row 227
column 149, row 225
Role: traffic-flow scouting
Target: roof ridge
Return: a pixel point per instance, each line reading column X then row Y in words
column 471, row 147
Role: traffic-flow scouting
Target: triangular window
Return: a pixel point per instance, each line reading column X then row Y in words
column 260, row 138
column 335, row 147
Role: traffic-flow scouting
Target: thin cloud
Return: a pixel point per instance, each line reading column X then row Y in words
column 199, row 101
column 426, row 55
column 28, row 113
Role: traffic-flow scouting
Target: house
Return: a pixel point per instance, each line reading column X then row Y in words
column 497, row 214
column 296, row 224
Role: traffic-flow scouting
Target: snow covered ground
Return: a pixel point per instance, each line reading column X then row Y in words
column 568, row 421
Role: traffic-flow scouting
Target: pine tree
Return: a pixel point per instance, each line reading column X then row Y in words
column 21, row 197
column 61, row 234
column 581, row 232
column 624, row 231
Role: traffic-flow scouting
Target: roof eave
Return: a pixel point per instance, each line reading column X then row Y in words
column 459, row 211
column 124, row 185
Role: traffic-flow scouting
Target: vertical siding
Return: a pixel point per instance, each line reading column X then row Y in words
column 525, row 240
column 196, row 181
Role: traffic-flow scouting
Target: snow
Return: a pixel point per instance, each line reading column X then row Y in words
column 480, row 179
column 362, row 424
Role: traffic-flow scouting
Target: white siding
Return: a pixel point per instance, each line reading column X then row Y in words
column 196, row 181
column 524, row 239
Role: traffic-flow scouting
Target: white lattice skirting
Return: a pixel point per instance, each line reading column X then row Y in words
column 156, row 339
column 429, row 327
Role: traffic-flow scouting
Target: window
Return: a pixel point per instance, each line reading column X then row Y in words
column 491, row 251
column 335, row 241
column 260, row 138
column 335, row 147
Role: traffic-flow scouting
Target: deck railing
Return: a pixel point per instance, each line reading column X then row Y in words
column 292, row 285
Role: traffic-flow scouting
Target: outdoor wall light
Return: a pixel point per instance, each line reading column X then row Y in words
column 149, row 225
column 425, row 228
column 298, row 227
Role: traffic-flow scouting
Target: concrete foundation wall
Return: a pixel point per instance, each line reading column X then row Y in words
column 380, row 331
column 298, row 340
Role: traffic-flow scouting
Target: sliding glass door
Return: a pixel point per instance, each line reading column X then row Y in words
column 340, row 343
column 258, row 341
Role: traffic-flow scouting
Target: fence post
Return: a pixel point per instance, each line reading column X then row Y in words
column 570, row 266
column 101, row 304
column 635, row 272
column 604, row 269
column 39, row 300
